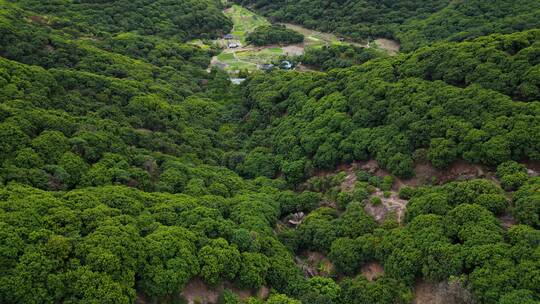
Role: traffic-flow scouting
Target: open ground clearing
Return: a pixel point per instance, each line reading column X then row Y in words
column 250, row 58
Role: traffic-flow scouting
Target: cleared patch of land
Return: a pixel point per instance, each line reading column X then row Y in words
column 441, row 293
column 246, row 57
column 196, row 291
column 372, row 270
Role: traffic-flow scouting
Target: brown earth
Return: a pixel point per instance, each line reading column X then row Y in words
column 392, row 204
column 390, row 46
column 196, row 291
column 314, row 264
column 424, row 173
column 372, row 271
column 441, row 293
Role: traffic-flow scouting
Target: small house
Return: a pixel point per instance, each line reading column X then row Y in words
column 228, row 37
column 233, row 45
column 267, row 67
column 286, row 65
column 237, row 81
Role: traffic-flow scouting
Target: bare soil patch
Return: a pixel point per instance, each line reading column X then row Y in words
column 507, row 221
column 392, row 204
column 441, row 293
column 350, row 179
column 196, row 291
column 425, row 173
column 533, row 168
column 293, row 50
column 458, row 170
column 390, row 46
column 314, row 264
column 40, row 20
column 372, row 271
column 302, row 67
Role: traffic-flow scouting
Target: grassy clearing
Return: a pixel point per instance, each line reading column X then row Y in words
column 275, row 50
column 226, row 57
column 199, row 43
column 244, row 21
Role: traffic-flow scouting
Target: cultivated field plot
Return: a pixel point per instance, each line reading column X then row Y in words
column 237, row 55
column 245, row 21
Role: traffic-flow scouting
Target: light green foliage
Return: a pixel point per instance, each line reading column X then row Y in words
column 228, row 297
column 281, row 299
column 253, row 270
column 218, row 261
column 527, row 203
column 324, row 287
column 376, row 201
column 359, row 290
column 512, row 175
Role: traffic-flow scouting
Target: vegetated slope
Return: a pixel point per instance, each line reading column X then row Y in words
column 38, row 40
column 413, row 23
column 179, row 19
column 354, row 18
column 396, row 111
column 274, row 34
column 462, row 20
column 338, row 56
column 113, row 187
column 116, row 103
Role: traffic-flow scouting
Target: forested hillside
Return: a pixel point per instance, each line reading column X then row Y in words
column 358, row 19
column 413, row 23
column 173, row 19
column 129, row 173
column 398, row 111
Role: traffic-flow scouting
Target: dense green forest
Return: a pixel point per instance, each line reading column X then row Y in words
column 173, row 19
column 129, row 173
column 274, row 34
column 338, row 56
column 413, row 23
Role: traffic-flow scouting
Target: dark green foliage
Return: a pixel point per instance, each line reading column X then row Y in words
column 357, row 19
column 512, row 175
column 376, row 201
column 470, row 19
column 499, row 62
column 338, row 56
column 185, row 19
column 372, row 111
column 122, row 239
column 406, row 192
column 359, row 290
column 527, row 203
column 413, row 23
column 127, row 170
column 253, row 270
column 274, row 34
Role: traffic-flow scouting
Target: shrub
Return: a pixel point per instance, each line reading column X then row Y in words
column 376, row 201
column 406, row 192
